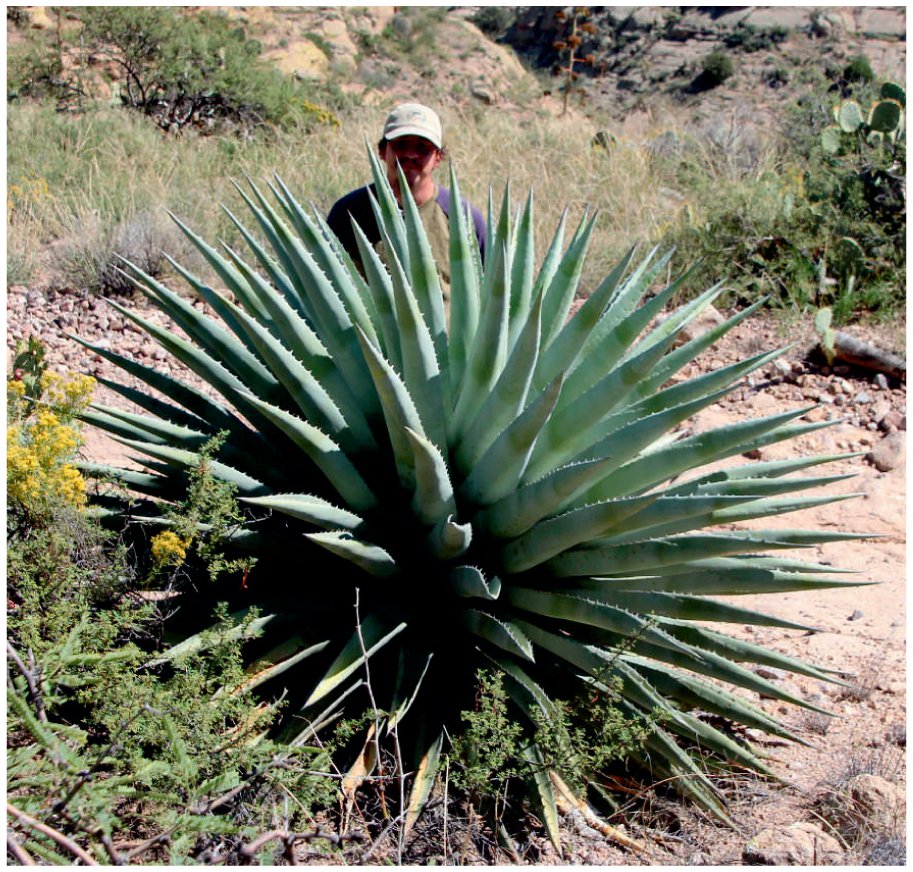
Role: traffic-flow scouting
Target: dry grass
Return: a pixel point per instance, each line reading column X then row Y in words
column 103, row 169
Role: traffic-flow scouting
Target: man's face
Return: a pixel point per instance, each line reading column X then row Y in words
column 417, row 156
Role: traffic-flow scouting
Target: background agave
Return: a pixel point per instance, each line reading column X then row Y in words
column 497, row 485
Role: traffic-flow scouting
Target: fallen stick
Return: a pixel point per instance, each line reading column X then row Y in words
column 851, row 350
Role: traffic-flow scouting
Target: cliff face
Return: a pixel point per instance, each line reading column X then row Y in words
column 644, row 53
column 642, row 56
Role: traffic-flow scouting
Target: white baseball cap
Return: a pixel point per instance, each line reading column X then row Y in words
column 413, row 119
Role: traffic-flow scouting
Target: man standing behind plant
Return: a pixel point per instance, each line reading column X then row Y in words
column 413, row 139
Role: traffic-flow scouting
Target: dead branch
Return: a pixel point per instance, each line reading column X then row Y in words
column 29, row 675
column 58, row 837
column 853, row 351
column 19, row 853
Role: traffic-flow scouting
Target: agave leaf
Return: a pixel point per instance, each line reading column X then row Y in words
column 692, row 729
column 240, row 628
column 320, row 720
column 489, row 351
column 668, row 762
column 159, row 408
column 743, row 651
column 387, row 212
column 578, row 609
column 288, row 654
column 508, row 397
column 207, row 368
column 304, row 390
column 214, row 414
column 684, row 607
column 554, row 535
column 558, row 293
column 370, row 636
column 517, row 512
column 421, row 371
column 184, row 460
column 470, row 581
column 692, row 692
column 325, row 453
column 707, row 662
column 325, row 308
column 277, row 276
column 611, row 340
column 504, row 635
column 501, row 467
column 424, row 781
column 433, row 499
column 625, row 443
column 561, row 352
column 426, row 283
column 281, row 268
column 546, row 793
column 310, row 508
column 757, row 472
column 449, row 539
column 373, row 559
column 740, row 508
column 365, row 763
column 381, row 286
column 599, row 558
column 399, row 411
column 233, row 280
column 142, row 427
column 568, row 431
column 410, row 674
column 345, row 283
column 702, row 448
column 721, row 582
column 142, row 482
column 522, row 272
column 683, row 355
column 291, row 329
column 465, row 293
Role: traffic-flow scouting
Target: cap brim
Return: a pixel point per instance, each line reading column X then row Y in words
column 412, row 131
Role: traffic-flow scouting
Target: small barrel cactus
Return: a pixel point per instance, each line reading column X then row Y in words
column 495, row 486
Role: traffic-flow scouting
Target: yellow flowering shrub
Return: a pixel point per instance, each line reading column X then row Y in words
column 41, row 442
column 168, row 549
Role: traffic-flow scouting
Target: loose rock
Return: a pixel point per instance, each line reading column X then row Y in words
column 889, row 453
column 800, row 844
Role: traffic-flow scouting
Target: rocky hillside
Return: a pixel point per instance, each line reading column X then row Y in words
column 642, row 56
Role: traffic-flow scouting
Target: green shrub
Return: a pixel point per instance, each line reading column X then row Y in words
column 716, row 68
column 859, row 69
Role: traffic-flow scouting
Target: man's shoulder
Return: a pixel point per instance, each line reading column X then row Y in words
column 353, row 200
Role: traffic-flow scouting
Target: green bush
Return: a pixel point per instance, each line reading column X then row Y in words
column 859, row 69
column 104, row 743
column 181, row 70
column 716, row 67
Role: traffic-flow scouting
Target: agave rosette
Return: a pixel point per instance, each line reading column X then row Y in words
column 498, row 485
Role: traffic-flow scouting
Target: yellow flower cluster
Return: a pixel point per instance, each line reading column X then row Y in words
column 66, row 395
column 320, row 114
column 169, row 549
column 31, row 189
column 38, row 471
column 41, row 442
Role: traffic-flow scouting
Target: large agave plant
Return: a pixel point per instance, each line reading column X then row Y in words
column 494, row 484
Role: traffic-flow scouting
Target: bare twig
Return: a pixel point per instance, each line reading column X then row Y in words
column 374, row 709
column 397, row 820
column 29, row 675
column 13, row 847
column 58, row 837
